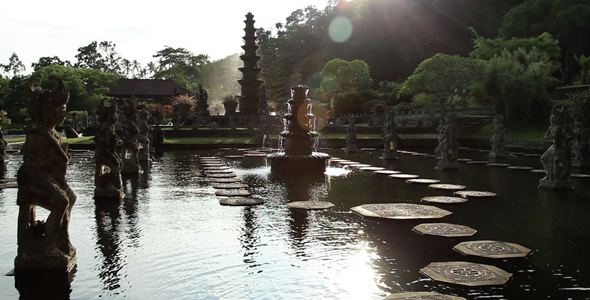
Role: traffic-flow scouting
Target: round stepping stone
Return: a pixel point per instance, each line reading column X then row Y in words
column 372, row 168
column 580, row 175
column 239, row 201
column 233, row 192
column 492, row 249
column 538, row 171
column 218, row 171
column 310, row 205
column 421, row 296
column 466, row 273
column 387, row 172
column 400, row 211
column 444, row 199
column 520, row 168
column 445, row 229
column 423, row 181
column 446, row 186
column 230, row 185
column 403, row 176
column 224, row 180
column 464, row 159
column 479, row 162
column 222, row 175
column 497, row 165
column 234, row 156
column 478, row 194
column 359, row 165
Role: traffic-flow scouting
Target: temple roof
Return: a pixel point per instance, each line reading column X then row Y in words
column 147, row 88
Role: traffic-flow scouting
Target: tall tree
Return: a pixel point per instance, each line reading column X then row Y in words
column 101, row 56
column 48, row 61
column 180, row 65
column 14, row 66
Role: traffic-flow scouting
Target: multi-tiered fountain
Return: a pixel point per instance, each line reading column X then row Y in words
column 298, row 140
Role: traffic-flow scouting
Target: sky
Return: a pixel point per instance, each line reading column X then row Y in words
column 139, row 29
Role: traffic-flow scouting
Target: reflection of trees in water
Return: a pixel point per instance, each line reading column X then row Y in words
column 108, row 240
column 249, row 238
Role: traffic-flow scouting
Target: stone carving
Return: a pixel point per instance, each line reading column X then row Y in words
column 448, row 145
column 263, row 102
column 129, row 148
column 143, row 135
column 41, row 181
column 108, row 164
column 581, row 148
column 390, row 137
column 3, row 146
column 351, row 142
column 202, row 106
column 498, row 141
column 557, row 159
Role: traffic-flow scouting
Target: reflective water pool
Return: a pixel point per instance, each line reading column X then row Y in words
column 170, row 238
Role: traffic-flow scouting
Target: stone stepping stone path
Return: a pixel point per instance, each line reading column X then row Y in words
column 234, row 156
column 204, row 165
column 446, row 186
column 229, row 185
column 222, row 175
column 403, row 176
column 233, row 193
column 215, row 168
column 497, row 165
column 444, row 199
column 464, row 159
column 445, row 229
column 371, row 168
column 338, row 159
column 226, row 171
column 422, row 296
column 466, row 273
column 476, row 194
column 538, row 171
column 492, row 249
column 400, row 211
column 520, row 168
column 240, row 201
column 387, row 172
column 260, row 154
column 579, row 175
column 422, row 181
column 348, row 162
column 8, row 185
column 225, row 180
column 310, row 205
column 9, row 179
column 479, row 162
column 359, row 165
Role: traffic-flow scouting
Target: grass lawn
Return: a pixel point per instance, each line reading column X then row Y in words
column 523, row 133
column 209, row 140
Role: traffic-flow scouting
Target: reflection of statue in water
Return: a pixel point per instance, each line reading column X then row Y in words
column 129, row 149
column 557, row 159
column 581, row 148
column 108, row 164
column 143, row 136
column 448, row 146
column 390, row 137
column 42, row 182
column 351, row 142
column 498, row 140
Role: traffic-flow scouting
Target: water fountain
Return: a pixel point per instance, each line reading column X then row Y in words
column 298, row 138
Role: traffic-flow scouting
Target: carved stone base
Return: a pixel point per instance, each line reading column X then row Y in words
column 555, row 185
column 106, row 193
column 26, row 262
column 387, row 155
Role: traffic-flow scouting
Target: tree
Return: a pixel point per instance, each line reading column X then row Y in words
column 488, row 48
column 101, row 56
column 274, row 75
column 14, row 66
column 346, row 76
column 180, row 65
column 48, row 61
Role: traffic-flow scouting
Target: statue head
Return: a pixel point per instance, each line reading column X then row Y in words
column 46, row 107
column 107, row 111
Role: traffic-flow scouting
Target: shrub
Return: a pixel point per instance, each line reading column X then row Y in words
column 423, row 100
column 347, row 103
column 375, row 106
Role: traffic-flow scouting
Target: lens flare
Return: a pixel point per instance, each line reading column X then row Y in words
column 340, row 29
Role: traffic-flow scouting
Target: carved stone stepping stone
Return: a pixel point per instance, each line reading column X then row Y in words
column 214, row 165
column 421, row 296
column 224, row 180
column 520, row 168
column 464, row 159
column 233, row 193
column 492, row 249
column 580, row 176
column 538, row 171
column 10, row 179
column 222, row 175
column 466, row 273
column 400, row 211
column 311, row 205
column 479, row 162
column 207, row 168
column 229, row 185
column 240, row 201
column 419, row 154
column 387, row 172
column 497, row 165
column 478, row 194
column 423, row 181
column 234, row 156
column 8, row 185
column 359, row 165
column 445, row 229
column 348, row 162
column 372, row 168
column 255, row 154
column 403, row 176
column 444, row 199
column 208, row 157
column 532, row 155
column 446, row 186
column 218, row 171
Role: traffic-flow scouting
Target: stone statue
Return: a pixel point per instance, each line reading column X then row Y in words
column 3, row 146
column 442, row 136
column 581, row 148
column 498, row 141
column 129, row 148
column 143, row 135
column 351, row 142
column 448, row 144
column 202, row 106
column 108, row 164
column 42, row 182
column 390, row 137
column 557, row 159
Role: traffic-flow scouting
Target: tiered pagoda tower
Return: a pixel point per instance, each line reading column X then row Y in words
column 250, row 82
